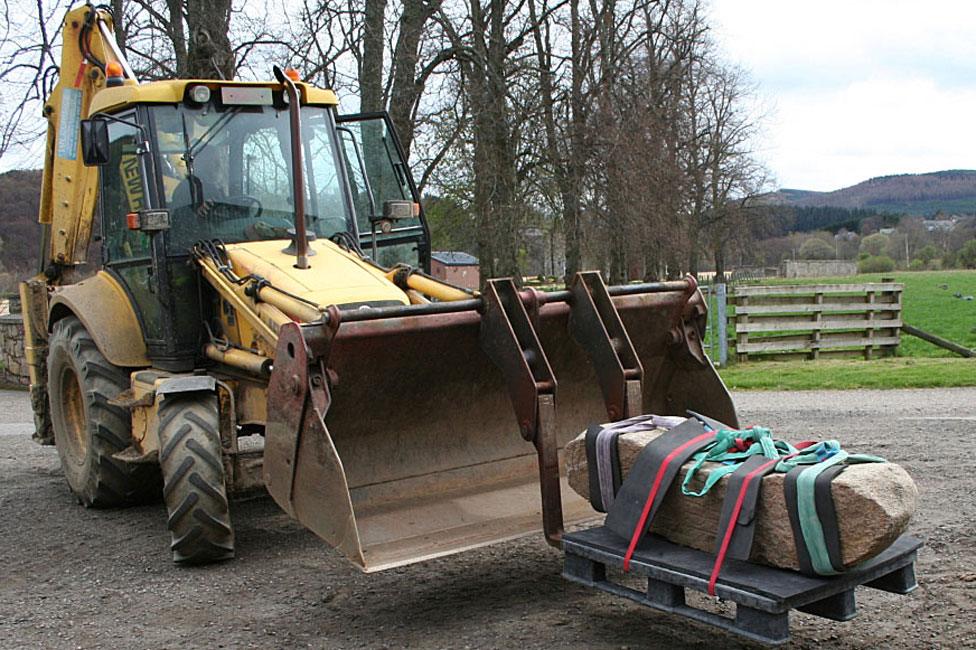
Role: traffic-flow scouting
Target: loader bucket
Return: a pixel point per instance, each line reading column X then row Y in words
column 395, row 439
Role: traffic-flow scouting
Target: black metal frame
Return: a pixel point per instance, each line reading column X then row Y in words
column 165, row 350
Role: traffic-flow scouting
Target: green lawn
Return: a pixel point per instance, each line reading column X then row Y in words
column 896, row 372
column 925, row 304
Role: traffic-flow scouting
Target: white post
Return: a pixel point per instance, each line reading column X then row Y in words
column 722, row 322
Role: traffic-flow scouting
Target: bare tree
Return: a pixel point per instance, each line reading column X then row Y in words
column 481, row 38
column 209, row 53
column 612, row 126
column 725, row 177
column 181, row 38
column 29, row 61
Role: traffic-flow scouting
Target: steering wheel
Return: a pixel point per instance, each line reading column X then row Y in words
column 228, row 208
column 244, row 200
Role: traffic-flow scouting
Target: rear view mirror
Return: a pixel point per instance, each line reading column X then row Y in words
column 94, row 142
column 397, row 209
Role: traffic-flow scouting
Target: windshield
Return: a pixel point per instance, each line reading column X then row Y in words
column 226, row 173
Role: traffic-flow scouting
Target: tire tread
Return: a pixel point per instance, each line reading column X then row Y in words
column 193, row 476
column 108, row 482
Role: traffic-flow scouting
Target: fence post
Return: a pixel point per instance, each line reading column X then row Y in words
column 722, row 322
column 869, row 349
column 818, row 324
column 741, row 338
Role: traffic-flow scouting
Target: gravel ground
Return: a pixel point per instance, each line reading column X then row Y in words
column 77, row 578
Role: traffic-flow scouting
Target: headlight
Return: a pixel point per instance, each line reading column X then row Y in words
column 200, row 94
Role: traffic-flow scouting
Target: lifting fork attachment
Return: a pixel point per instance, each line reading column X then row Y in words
column 355, row 508
column 510, row 341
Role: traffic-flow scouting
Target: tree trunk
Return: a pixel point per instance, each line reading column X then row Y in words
column 371, row 67
column 494, row 169
column 693, row 255
column 572, row 209
column 209, row 55
column 120, row 34
column 720, row 261
column 503, row 145
column 406, row 88
column 175, row 31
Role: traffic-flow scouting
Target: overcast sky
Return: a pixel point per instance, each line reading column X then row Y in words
column 857, row 89
column 853, row 89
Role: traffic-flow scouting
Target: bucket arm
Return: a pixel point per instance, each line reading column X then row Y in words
column 69, row 188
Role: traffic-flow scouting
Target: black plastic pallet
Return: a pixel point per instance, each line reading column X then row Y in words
column 763, row 595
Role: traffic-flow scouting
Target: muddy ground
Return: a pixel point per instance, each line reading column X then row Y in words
column 76, row 578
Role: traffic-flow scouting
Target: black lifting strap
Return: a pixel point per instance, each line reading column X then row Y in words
column 744, row 531
column 826, row 513
column 666, row 453
column 603, row 465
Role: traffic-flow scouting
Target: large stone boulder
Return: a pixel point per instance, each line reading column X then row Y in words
column 874, row 503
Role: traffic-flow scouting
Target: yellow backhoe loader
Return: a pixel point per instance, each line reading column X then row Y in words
column 234, row 294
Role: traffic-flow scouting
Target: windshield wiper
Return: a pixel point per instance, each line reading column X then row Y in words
column 195, row 200
column 200, row 143
column 189, row 150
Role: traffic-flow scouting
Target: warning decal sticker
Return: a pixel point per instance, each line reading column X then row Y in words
column 69, row 124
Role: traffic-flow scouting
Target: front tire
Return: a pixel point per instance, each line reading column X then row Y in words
column 193, row 479
column 88, row 431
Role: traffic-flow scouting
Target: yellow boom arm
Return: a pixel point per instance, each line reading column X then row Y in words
column 69, row 188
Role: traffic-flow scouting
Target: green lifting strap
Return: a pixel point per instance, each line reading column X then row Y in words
column 732, row 447
column 762, row 444
column 810, row 523
column 813, row 533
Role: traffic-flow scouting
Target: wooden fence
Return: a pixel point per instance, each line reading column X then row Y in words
column 816, row 320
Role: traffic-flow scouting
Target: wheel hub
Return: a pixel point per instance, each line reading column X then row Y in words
column 75, row 418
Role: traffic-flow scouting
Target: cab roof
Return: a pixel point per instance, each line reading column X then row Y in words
column 173, row 92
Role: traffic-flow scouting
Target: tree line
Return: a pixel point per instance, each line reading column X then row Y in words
column 612, row 131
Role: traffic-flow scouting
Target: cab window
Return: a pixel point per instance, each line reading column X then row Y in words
column 123, row 190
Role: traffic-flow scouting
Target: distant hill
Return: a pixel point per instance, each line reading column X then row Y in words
column 20, row 233
column 952, row 192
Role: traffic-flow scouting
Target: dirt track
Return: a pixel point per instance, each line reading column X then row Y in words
column 77, row 578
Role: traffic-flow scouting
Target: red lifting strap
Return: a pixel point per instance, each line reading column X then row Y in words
column 679, row 452
column 760, row 471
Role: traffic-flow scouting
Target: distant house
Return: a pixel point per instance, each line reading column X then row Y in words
column 455, row 267
column 887, row 231
column 818, row 268
column 940, row 225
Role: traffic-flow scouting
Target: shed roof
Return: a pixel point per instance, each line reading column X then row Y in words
column 454, row 258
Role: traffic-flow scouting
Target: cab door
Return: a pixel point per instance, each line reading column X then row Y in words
column 137, row 258
column 126, row 253
column 373, row 153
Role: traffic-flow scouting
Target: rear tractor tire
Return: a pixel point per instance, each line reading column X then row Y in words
column 88, row 431
column 193, row 479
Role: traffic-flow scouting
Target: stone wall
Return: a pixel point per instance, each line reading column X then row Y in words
column 818, row 268
column 14, row 367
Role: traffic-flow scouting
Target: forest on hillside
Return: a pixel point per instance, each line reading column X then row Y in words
column 950, row 191
column 20, row 232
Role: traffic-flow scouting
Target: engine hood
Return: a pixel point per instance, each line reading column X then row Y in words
column 335, row 277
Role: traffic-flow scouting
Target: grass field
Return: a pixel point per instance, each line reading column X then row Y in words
column 929, row 302
column 895, row 372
